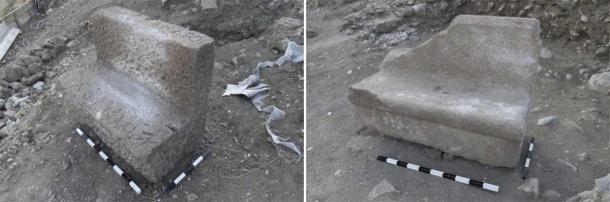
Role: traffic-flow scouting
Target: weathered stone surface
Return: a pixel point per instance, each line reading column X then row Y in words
column 173, row 61
column 601, row 192
column 465, row 91
column 146, row 98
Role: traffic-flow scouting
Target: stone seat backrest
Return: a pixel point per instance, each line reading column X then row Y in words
column 487, row 55
column 168, row 59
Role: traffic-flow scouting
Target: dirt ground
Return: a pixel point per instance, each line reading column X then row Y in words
column 42, row 159
column 341, row 154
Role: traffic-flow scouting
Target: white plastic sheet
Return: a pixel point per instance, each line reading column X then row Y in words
column 257, row 91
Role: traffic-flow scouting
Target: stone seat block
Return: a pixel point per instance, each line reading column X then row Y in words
column 146, row 95
column 468, row 82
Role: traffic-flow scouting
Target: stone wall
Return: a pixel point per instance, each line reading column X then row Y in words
column 15, row 12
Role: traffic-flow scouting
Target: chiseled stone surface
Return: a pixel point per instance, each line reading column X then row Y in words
column 147, row 96
column 465, row 91
column 171, row 60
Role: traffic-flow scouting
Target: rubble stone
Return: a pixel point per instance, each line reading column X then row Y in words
column 433, row 154
column 384, row 187
column 546, row 120
column 601, row 192
column 32, row 79
column 16, row 86
column 28, row 59
column 13, row 73
column 531, row 186
column 208, row 5
column 600, row 82
column 285, row 28
column 47, row 55
column 38, row 85
column 551, row 195
column 9, row 114
column 601, row 52
column 34, row 68
column 387, row 25
column 5, row 92
column 582, row 157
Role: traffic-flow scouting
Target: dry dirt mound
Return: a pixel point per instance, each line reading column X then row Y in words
column 580, row 25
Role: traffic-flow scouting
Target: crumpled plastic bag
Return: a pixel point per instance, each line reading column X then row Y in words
column 293, row 54
column 256, row 91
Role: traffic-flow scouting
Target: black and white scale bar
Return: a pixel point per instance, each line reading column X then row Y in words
column 438, row 173
column 115, row 167
column 172, row 184
column 528, row 159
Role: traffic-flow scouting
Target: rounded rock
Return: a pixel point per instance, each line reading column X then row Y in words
column 600, row 82
column 13, row 73
column 545, row 53
column 546, row 120
column 5, row 92
column 601, row 52
column 34, row 68
column 10, row 114
column 192, row 197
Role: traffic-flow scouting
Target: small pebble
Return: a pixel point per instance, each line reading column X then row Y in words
column 192, row 197
column 536, row 109
column 601, row 52
column 448, row 157
column 551, row 195
column 382, row 188
column 339, row 173
column 582, row 156
column 582, row 71
column 545, row 53
column 584, row 18
column 38, row 85
column 531, row 187
column 546, row 120
column 433, row 154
